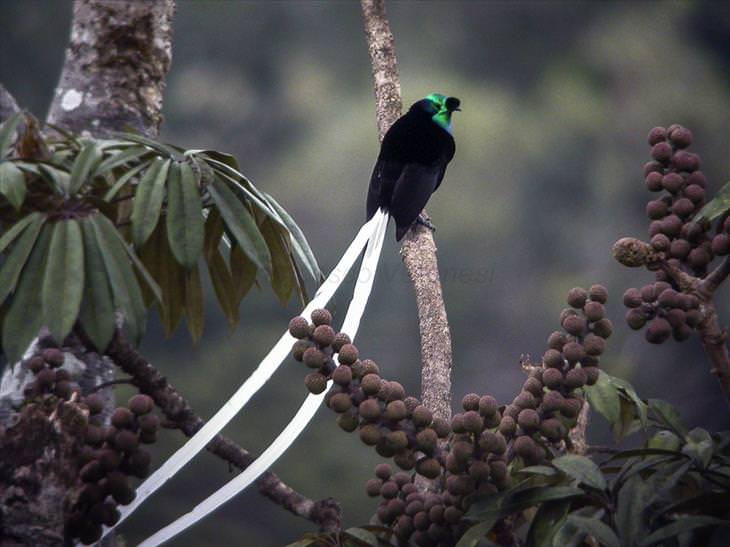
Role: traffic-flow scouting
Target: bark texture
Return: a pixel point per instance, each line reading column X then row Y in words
column 38, row 456
column 116, row 62
column 419, row 249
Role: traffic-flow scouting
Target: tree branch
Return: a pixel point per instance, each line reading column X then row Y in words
column 578, row 443
column 713, row 280
column 325, row 513
column 419, row 250
column 116, row 62
column 8, row 106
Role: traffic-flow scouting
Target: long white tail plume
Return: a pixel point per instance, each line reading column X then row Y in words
column 306, row 412
column 254, row 382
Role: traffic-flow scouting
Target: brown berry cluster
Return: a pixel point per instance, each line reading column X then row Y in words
column 469, row 456
column 110, row 456
column 668, row 312
column 676, row 173
column 548, row 405
column 317, row 344
column 399, row 427
column 48, row 376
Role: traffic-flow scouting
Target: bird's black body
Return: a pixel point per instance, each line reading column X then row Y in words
column 412, row 162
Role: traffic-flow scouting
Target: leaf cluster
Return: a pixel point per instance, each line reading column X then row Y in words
column 99, row 230
column 673, row 491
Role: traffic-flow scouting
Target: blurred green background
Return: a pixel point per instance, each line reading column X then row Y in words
column 557, row 100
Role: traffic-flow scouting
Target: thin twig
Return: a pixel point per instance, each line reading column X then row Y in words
column 578, row 444
column 112, row 383
column 712, row 281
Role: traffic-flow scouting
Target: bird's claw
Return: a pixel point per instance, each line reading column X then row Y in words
column 423, row 220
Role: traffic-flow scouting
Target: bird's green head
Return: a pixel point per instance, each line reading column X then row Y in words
column 440, row 108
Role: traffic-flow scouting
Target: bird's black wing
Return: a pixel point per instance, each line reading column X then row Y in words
column 385, row 174
column 411, row 193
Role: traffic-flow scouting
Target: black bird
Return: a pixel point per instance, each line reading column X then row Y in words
column 412, row 161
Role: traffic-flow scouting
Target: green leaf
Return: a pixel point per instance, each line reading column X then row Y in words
column 680, row 526
column 241, row 185
column 164, row 150
column 665, row 415
column 63, row 284
column 581, row 469
column 596, row 528
column 127, row 155
column 717, row 206
column 474, row 534
column 7, row 132
column 14, row 231
column 97, row 307
column 84, row 165
column 300, row 244
column 699, row 447
column 283, row 278
column 519, row 499
column 213, row 231
column 631, row 520
column 124, row 179
column 665, row 479
column 546, row 522
column 627, row 422
column 57, row 179
column 148, row 201
column 12, row 184
column 241, row 224
column 184, row 215
column 19, row 326
column 642, row 453
column 665, row 440
column 568, row 535
column 18, row 256
column 604, row 398
column 217, row 269
column 626, row 389
column 194, row 315
column 171, row 277
column 543, row 470
column 223, row 286
column 126, row 293
column 243, row 271
column 149, row 281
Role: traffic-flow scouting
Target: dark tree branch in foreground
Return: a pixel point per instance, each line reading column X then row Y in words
column 116, row 62
column 325, row 513
column 418, row 250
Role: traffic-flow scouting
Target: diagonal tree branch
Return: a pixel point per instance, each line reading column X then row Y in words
column 419, row 249
column 325, row 513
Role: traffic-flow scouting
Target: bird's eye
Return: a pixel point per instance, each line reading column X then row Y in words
column 452, row 103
